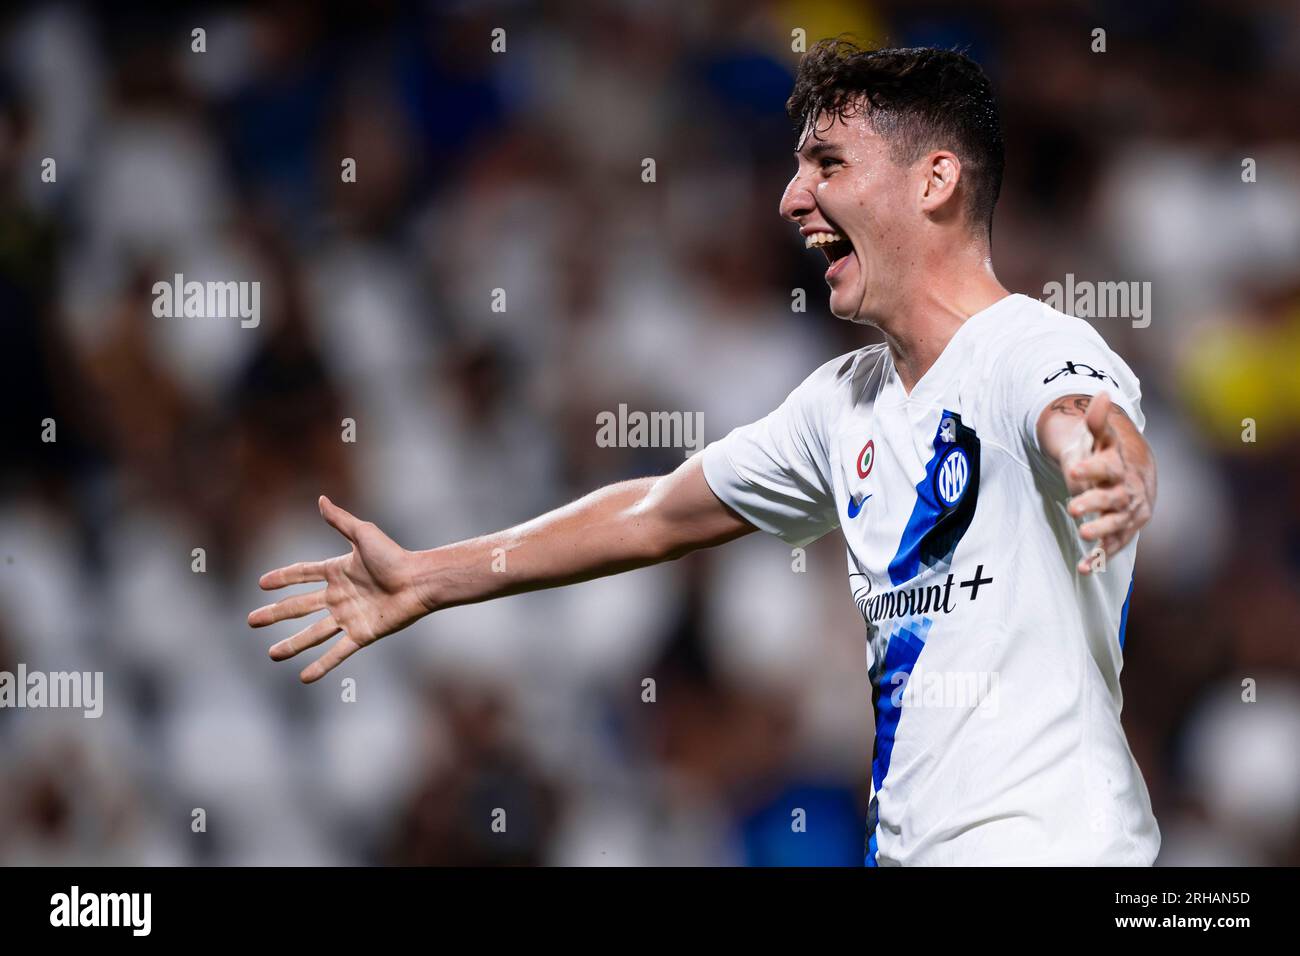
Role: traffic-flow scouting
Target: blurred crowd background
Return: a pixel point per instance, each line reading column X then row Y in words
column 521, row 170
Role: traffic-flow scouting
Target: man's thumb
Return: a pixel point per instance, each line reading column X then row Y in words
column 342, row 522
column 1098, row 412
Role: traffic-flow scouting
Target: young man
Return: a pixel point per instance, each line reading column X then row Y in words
column 956, row 458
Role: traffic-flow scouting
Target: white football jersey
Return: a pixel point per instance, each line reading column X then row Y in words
column 994, row 664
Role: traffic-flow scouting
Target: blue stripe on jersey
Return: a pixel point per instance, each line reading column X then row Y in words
column 900, row 657
column 1123, row 614
column 922, row 542
column 925, row 514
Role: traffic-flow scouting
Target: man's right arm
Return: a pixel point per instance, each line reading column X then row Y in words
column 617, row 528
column 380, row 588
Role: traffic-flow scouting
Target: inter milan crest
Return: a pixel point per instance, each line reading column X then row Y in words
column 952, row 477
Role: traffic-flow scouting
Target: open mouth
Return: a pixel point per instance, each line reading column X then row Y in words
column 833, row 245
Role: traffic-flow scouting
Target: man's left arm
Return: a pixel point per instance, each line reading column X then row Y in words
column 1108, row 468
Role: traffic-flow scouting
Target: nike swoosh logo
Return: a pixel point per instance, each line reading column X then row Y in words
column 855, row 507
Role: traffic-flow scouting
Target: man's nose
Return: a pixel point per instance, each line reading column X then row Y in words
column 797, row 200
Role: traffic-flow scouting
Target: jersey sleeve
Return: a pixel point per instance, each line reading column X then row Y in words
column 774, row 472
column 1071, row 359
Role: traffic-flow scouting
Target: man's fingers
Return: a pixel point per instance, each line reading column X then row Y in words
column 1098, row 412
column 1102, row 469
column 1110, row 545
column 341, row 521
column 301, row 573
column 1099, row 500
column 343, row 648
column 316, row 633
column 1108, row 524
column 294, row 606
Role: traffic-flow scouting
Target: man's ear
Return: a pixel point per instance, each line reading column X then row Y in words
column 942, row 174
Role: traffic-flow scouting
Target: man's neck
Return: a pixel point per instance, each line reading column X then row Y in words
column 921, row 326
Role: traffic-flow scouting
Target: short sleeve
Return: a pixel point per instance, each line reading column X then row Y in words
column 1070, row 359
column 774, row 472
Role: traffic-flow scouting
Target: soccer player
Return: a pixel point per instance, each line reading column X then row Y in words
column 986, row 466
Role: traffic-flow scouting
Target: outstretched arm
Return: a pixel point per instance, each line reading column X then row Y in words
column 1108, row 468
column 381, row 587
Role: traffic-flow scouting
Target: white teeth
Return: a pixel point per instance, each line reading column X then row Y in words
column 818, row 239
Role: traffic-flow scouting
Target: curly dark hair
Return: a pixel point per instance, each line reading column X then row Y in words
column 917, row 99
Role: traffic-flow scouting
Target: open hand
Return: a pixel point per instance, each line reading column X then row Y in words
column 367, row 593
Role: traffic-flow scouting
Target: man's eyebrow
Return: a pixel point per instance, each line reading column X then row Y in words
column 818, row 148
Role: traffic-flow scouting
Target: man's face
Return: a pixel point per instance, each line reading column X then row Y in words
column 852, row 201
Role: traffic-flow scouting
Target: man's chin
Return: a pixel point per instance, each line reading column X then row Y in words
column 842, row 306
